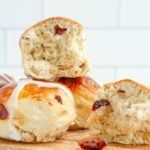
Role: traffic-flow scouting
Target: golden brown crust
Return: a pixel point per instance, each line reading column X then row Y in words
column 59, row 19
column 133, row 83
column 37, row 93
column 29, row 89
column 33, row 90
column 79, row 84
column 85, row 91
column 75, row 83
column 7, row 85
column 47, row 20
column 5, row 93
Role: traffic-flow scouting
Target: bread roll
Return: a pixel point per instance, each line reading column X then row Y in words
column 122, row 113
column 35, row 111
column 54, row 48
column 85, row 91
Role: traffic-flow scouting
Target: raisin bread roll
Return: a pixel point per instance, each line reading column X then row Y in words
column 35, row 111
column 54, row 48
column 122, row 113
column 85, row 91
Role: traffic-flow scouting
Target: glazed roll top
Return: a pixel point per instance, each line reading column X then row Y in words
column 35, row 111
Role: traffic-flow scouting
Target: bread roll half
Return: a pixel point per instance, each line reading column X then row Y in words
column 122, row 113
column 54, row 48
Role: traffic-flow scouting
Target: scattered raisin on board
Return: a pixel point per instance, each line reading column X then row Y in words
column 93, row 145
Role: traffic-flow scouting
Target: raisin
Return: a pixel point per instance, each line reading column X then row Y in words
column 82, row 65
column 93, row 145
column 3, row 112
column 59, row 30
column 101, row 144
column 121, row 91
column 58, row 98
column 89, row 145
column 100, row 103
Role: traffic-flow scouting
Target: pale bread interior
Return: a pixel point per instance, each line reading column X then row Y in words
column 47, row 54
column 127, row 119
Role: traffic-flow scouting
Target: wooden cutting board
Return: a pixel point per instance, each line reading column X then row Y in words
column 68, row 141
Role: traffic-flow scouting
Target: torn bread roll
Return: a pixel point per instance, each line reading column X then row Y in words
column 35, row 111
column 54, row 48
column 122, row 113
column 85, row 91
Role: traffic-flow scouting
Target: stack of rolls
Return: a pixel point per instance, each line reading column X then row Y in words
column 56, row 95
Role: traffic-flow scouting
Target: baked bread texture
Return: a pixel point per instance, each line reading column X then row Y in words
column 35, row 111
column 54, row 48
column 85, row 91
column 122, row 113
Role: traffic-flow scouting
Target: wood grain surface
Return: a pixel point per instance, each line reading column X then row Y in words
column 68, row 141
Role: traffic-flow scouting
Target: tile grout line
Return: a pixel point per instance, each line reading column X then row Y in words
column 102, row 67
column 87, row 28
column 12, row 28
column 10, row 67
column 130, row 67
column 117, row 28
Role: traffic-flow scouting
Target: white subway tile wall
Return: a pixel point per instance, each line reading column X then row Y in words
column 135, row 13
column 92, row 13
column 18, row 73
column 2, row 48
column 119, row 47
column 20, row 13
column 117, row 34
column 12, row 48
column 103, row 75
column 139, row 74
